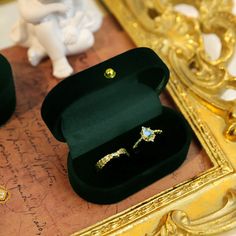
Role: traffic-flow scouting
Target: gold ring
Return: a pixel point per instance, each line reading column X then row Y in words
column 102, row 162
column 148, row 135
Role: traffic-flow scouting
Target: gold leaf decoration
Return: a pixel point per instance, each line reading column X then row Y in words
column 178, row 39
column 178, row 223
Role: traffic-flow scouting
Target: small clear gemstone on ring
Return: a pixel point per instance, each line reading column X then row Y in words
column 147, row 132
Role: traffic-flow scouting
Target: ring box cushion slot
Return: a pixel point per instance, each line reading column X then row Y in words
column 97, row 116
column 125, row 176
column 7, row 91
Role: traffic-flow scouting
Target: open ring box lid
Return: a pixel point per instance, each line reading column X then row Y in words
column 7, row 91
column 97, row 116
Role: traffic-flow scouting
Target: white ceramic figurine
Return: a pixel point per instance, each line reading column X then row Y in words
column 56, row 28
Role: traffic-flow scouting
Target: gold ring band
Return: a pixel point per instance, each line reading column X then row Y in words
column 103, row 161
column 148, row 135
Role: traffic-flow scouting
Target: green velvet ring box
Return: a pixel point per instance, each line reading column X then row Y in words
column 98, row 113
column 7, row 91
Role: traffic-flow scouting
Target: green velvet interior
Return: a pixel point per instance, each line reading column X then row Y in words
column 7, row 91
column 110, row 111
column 125, row 175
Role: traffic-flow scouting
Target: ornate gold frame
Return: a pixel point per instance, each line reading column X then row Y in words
column 205, row 205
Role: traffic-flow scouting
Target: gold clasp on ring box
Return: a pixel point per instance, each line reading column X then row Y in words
column 110, row 73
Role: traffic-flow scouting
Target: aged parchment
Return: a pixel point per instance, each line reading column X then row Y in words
column 33, row 163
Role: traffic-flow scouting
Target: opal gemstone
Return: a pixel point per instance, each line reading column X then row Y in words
column 147, row 132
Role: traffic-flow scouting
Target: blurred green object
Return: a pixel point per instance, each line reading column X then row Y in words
column 7, row 91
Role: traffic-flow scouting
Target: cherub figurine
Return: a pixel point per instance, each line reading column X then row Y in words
column 56, row 28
